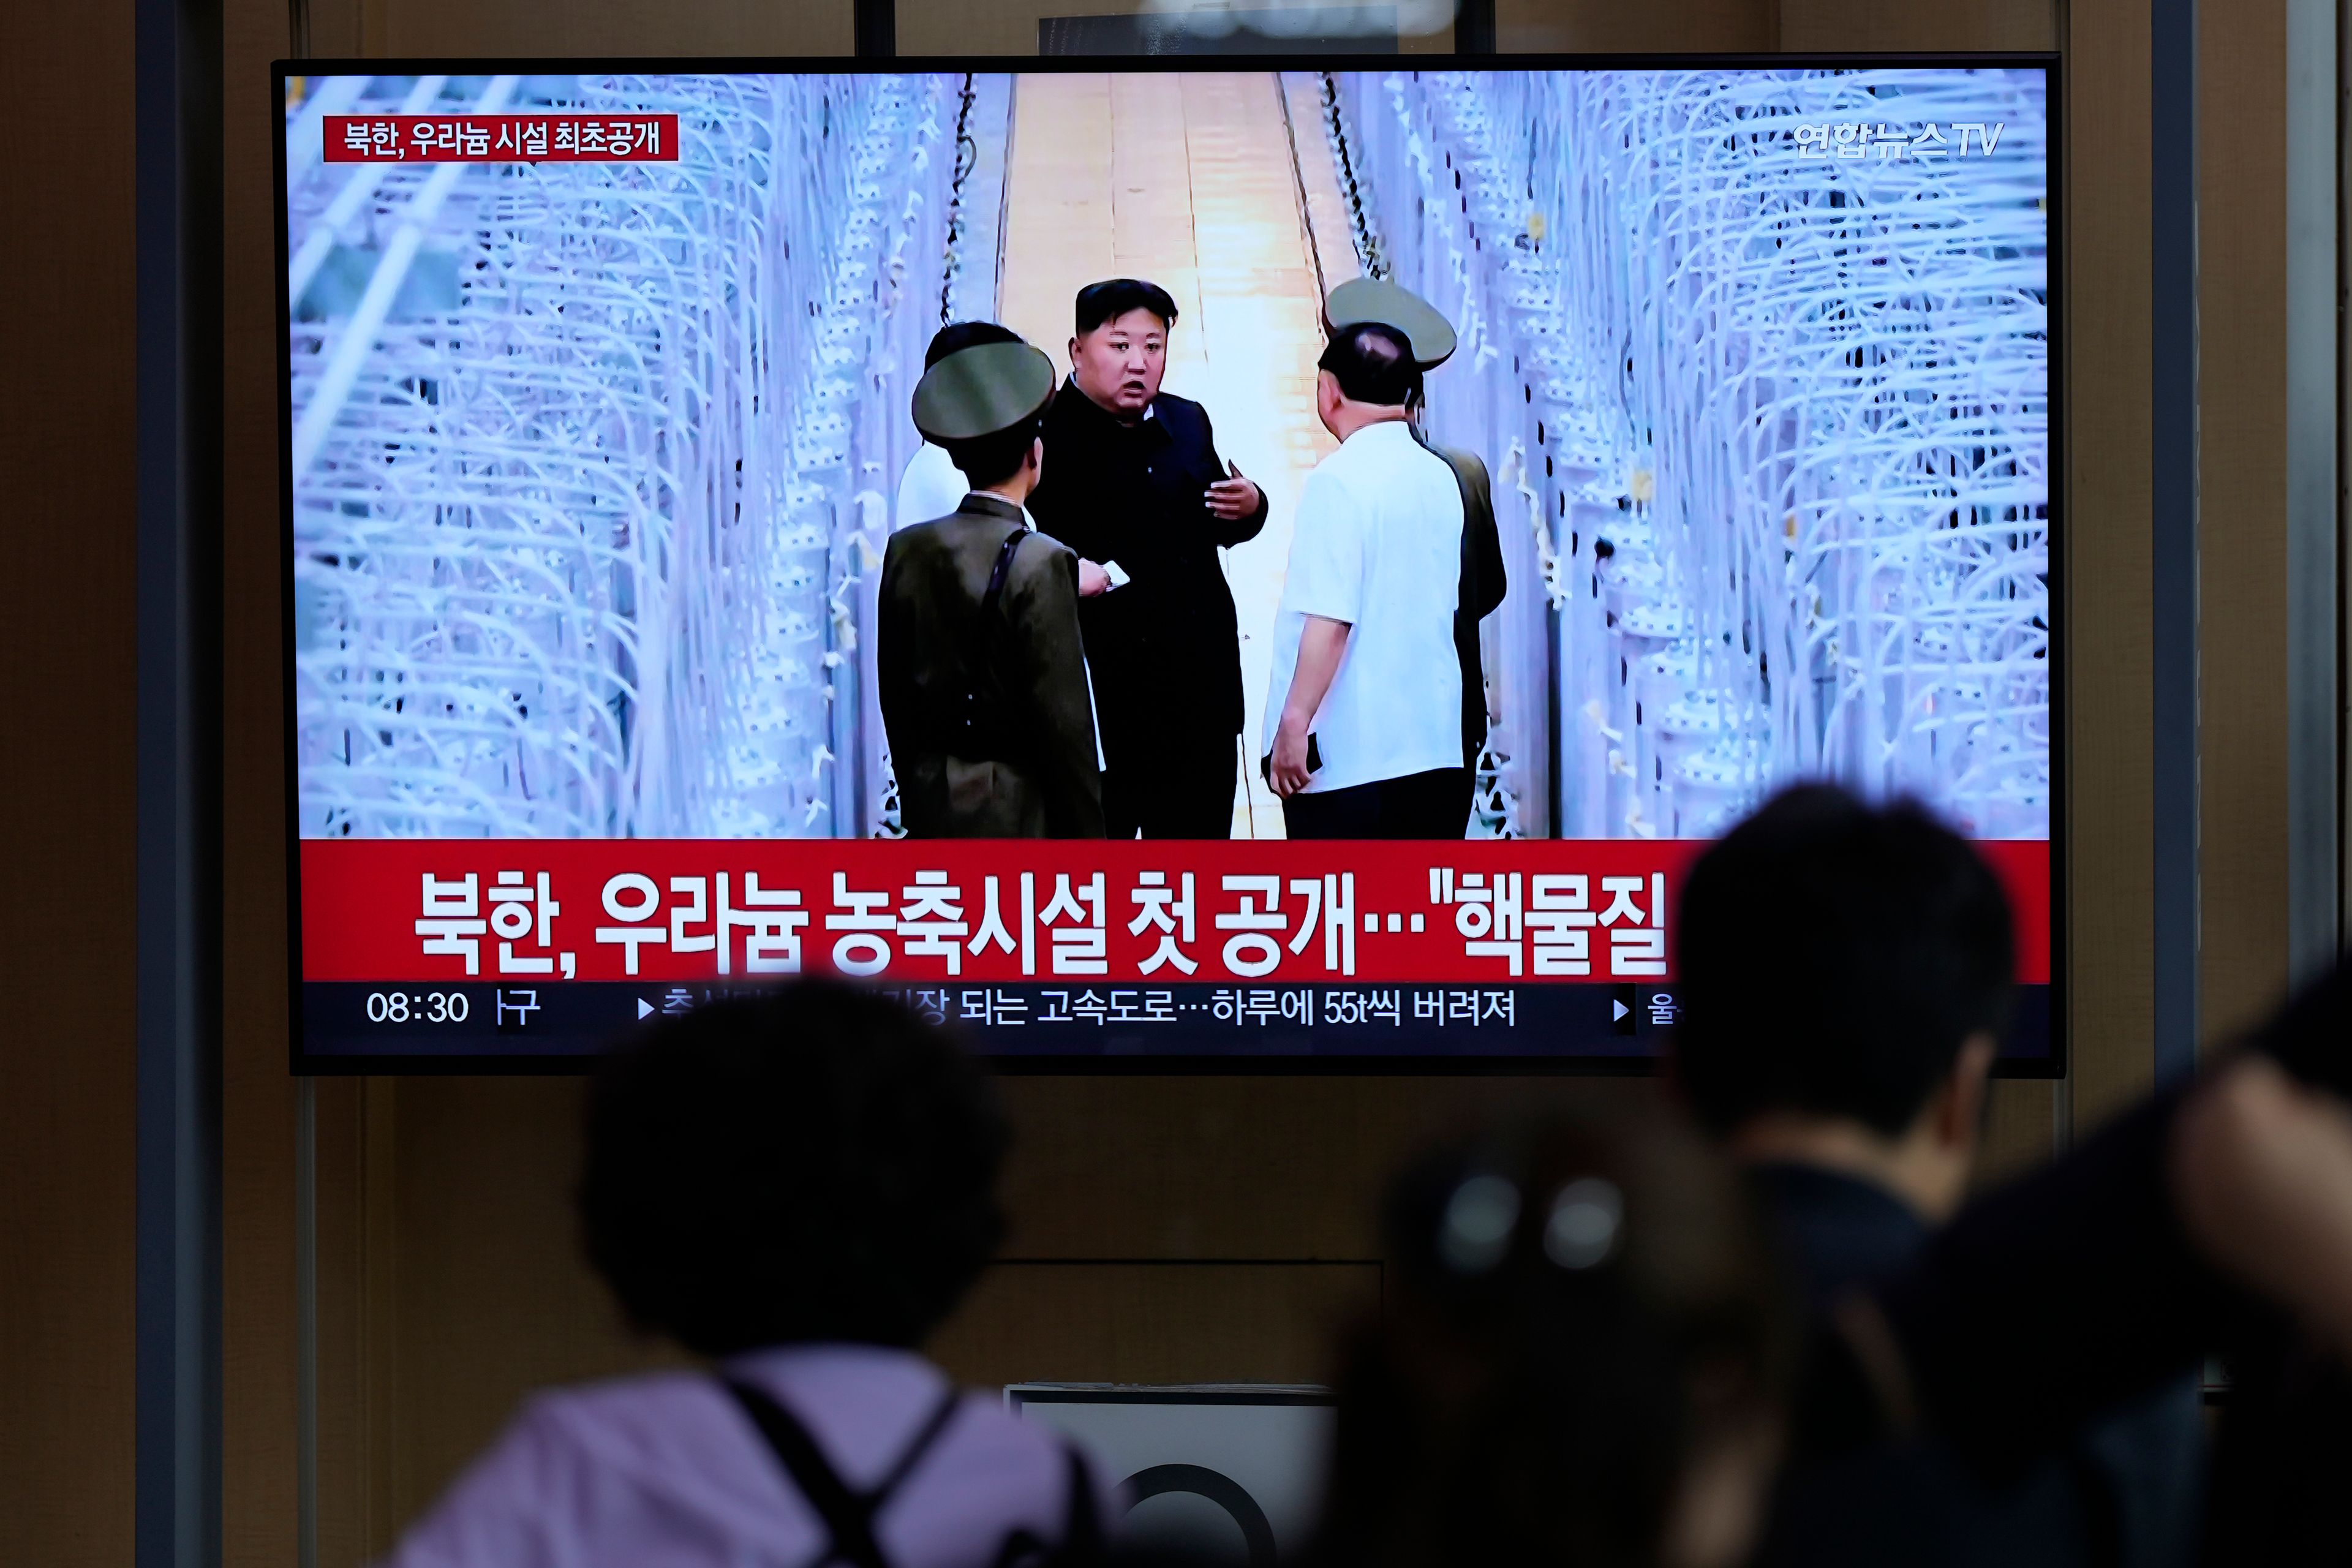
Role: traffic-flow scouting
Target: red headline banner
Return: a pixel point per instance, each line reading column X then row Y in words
column 500, row 138
column 1007, row 910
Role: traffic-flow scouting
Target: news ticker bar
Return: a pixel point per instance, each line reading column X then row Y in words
column 426, row 1022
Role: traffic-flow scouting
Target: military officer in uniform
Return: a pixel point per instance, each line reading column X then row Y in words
column 981, row 671
column 1380, row 302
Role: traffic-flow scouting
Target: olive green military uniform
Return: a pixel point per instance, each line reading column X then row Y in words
column 935, row 647
column 985, row 696
column 1484, row 582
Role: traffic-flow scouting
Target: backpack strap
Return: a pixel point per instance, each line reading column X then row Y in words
column 934, row 1426
column 1082, row 1531
column 848, row 1515
column 1081, row 1545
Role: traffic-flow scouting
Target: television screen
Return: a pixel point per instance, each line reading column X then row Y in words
column 1431, row 503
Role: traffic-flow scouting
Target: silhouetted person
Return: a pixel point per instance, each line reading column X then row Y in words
column 2214, row 1219
column 1845, row 980
column 795, row 1189
column 1580, row 1359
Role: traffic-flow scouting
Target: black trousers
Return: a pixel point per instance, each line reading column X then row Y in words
column 1434, row 804
column 1183, row 792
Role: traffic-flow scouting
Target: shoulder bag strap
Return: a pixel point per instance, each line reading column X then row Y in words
column 1004, row 554
column 988, row 667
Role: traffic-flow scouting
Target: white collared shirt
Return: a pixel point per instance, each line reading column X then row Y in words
column 1377, row 543
column 932, row 488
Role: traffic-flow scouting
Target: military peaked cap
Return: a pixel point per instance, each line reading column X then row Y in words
column 983, row 390
column 1379, row 302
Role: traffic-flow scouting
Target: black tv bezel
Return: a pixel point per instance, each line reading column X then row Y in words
column 2051, row 1067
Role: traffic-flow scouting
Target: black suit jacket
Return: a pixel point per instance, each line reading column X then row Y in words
column 1164, row 649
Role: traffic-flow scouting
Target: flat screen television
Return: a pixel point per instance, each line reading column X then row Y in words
column 597, row 381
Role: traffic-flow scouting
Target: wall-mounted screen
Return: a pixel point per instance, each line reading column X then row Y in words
column 1440, row 499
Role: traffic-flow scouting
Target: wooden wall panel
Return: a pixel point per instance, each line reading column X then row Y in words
column 2242, row 494
column 2109, row 708
column 2018, row 1129
column 1224, row 1167
column 1594, row 27
column 336, row 29
column 349, row 1505
column 522, row 29
column 955, row 27
column 66, row 1117
column 1157, row 1322
column 1831, row 26
column 1604, row 26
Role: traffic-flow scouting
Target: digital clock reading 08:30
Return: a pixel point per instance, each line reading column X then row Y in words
column 417, row 1007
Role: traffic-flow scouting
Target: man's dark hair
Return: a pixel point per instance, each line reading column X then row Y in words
column 816, row 1163
column 1115, row 297
column 1374, row 365
column 957, row 336
column 987, row 460
column 1834, row 958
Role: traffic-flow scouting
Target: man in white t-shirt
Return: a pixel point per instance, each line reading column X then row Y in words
column 1363, row 717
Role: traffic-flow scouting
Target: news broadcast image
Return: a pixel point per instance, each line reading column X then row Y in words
column 599, row 393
